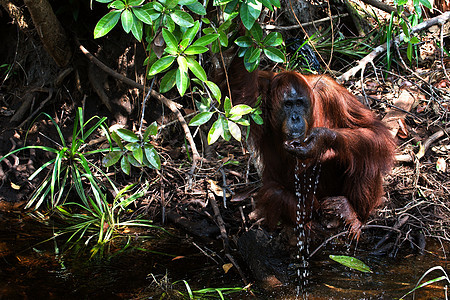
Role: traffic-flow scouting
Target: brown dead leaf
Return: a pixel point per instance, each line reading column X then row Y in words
column 227, row 267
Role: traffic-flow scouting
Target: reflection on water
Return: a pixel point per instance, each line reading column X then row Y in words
column 29, row 270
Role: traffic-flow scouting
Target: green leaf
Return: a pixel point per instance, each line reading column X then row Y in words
column 244, row 41
column 157, row 6
column 137, row 28
column 215, row 132
column 117, row 5
column 351, row 262
column 267, row 4
column 223, row 39
column 226, row 131
column 415, row 40
column 127, row 135
column 111, row 158
column 125, row 165
column 426, row 3
column 151, row 130
column 161, row 64
column 138, row 154
column 201, row 118
column 197, row 8
column 240, row 121
column 170, row 4
column 152, row 156
column 192, row 50
column 169, row 38
column 240, row 110
column 255, row 55
column 257, row 118
column 409, row 51
column 182, row 18
column 182, row 81
column 250, row 11
column 273, row 39
column 127, row 20
column 256, row 32
column 103, row 1
column 214, row 90
column 276, row 3
column 190, row 33
column 196, row 68
column 274, row 54
column 168, row 81
column 234, row 130
column 106, row 23
column 227, row 106
column 145, row 15
column 186, row 2
column 182, row 64
column 132, row 146
column 135, row 2
column 169, row 23
column 133, row 161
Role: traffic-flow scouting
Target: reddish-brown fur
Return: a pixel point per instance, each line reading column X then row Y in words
column 351, row 170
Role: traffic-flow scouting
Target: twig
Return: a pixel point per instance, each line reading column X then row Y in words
column 385, row 7
column 274, row 27
column 346, row 232
column 244, row 279
column 173, row 106
column 441, row 19
column 219, row 221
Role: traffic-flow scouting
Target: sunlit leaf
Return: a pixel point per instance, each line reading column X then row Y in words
column 190, row 33
column 143, row 14
column 206, row 39
column 106, row 23
column 274, row 54
column 249, row 12
column 197, row 8
column 240, row 110
column 196, row 68
column 151, row 130
column 201, row 118
column 182, row 81
column 168, row 81
column 214, row 90
column 192, row 50
column 351, row 262
column 273, row 39
column 161, row 64
column 127, row 20
column 117, row 5
column 169, row 38
column 215, row 132
column 137, row 28
column 127, row 135
column 227, row 106
column 234, row 130
column 152, row 156
column 182, row 18
column 244, row 41
column 138, row 154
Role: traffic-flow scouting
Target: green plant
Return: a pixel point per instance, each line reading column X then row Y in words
column 351, row 262
column 207, row 293
column 226, row 125
column 102, row 221
column 440, row 278
column 138, row 150
column 70, row 166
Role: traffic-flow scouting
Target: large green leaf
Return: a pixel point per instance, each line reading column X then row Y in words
column 127, row 20
column 182, row 18
column 240, row 110
column 191, row 32
column 137, row 28
column 206, row 39
column 127, row 135
column 118, row 4
column 182, row 64
column 227, row 106
column 201, row 118
column 257, row 32
column 182, row 81
column 273, row 39
column 111, row 158
column 161, row 64
column 215, row 132
column 106, row 23
column 234, row 130
column 244, row 41
column 250, row 11
column 351, row 262
column 168, row 81
column 145, row 15
column 125, row 165
column 170, row 4
column 196, row 68
column 274, row 54
column 255, row 55
column 192, row 50
column 135, row 2
column 214, row 90
column 138, row 153
column 197, row 8
column 152, row 156
column 169, row 38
